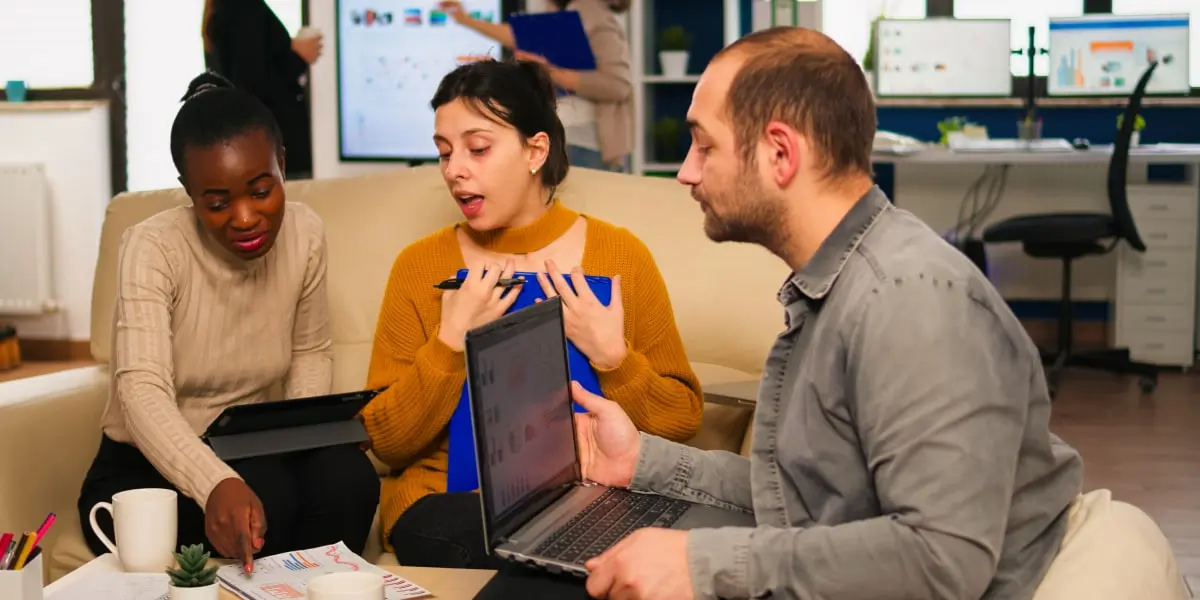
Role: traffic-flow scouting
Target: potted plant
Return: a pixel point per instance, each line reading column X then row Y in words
column 673, row 51
column 1138, row 125
column 951, row 125
column 666, row 140
column 192, row 578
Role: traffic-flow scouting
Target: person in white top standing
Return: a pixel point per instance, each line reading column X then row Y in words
column 598, row 109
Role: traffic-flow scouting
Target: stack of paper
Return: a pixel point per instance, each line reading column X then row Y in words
column 286, row 576
column 116, row 586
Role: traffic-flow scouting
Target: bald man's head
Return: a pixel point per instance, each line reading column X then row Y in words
column 803, row 79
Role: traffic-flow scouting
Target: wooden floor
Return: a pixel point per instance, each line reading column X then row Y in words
column 1145, row 449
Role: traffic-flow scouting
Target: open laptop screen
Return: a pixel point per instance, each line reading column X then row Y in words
column 522, row 415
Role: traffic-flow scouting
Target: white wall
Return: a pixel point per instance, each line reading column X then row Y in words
column 81, row 185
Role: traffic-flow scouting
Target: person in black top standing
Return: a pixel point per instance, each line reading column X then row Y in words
column 245, row 42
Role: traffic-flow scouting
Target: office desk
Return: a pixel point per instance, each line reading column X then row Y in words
column 1152, row 294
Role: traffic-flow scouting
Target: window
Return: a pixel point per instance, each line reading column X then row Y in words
column 163, row 52
column 46, row 43
column 1023, row 13
column 848, row 22
column 1167, row 7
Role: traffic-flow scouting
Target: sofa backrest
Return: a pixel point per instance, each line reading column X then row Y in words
column 723, row 295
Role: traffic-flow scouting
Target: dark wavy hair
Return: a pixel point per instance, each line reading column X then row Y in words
column 518, row 93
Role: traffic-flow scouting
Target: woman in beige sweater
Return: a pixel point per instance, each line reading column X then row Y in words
column 598, row 112
column 224, row 303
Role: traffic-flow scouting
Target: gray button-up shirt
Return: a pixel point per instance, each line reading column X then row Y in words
column 901, row 439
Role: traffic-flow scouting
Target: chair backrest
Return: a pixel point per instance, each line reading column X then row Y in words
column 1118, row 166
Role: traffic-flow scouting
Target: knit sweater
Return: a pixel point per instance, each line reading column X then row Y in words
column 409, row 422
column 197, row 329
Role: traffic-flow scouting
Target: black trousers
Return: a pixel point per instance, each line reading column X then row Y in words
column 310, row 498
column 443, row 530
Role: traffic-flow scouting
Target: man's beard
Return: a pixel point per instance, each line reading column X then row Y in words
column 747, row 214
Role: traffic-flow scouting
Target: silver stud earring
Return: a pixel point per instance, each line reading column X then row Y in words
column 533, row 171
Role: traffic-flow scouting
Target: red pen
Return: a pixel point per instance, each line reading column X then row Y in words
column 41, row 532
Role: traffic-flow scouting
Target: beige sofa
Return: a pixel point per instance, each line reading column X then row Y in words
column 723, row 298
column 724, row 301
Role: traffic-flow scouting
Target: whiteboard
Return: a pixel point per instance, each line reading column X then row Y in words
column 943, row 57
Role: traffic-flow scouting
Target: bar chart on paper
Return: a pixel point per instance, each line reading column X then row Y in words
column 286, row 576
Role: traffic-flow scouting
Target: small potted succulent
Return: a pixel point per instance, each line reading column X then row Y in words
column 1138, row 125
column 667, row 132
column 192, row 578
column 673, row 51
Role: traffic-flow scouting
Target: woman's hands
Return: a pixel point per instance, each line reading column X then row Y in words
column 597, row 330
column 308, row 47
column 235, row 522
column 454, row 8
column 479, row 301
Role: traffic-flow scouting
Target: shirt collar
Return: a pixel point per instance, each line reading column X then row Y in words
column 817, row 277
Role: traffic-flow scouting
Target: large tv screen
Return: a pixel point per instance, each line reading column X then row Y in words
column 943, row 57
column 1106, row 55
column 391, row 56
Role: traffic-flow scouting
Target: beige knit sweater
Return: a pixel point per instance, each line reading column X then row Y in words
column 197, row 329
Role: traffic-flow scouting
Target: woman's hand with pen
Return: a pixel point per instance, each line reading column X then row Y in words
column 477, row 302
column 235, row 522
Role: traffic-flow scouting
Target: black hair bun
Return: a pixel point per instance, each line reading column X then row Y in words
column 539, row 77
column 205, row 81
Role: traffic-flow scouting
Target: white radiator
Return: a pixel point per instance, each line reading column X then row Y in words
column 26, row 274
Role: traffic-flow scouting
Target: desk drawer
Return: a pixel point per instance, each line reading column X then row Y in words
column 1156, row 265
column 1161, row 348
column 1161, row 233
column 1166, row 317
column 1157, row 292
column 1171, row 202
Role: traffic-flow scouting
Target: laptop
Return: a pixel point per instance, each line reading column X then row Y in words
column 537, row 509
column 270, row 428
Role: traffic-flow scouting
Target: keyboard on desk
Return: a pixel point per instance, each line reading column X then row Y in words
column 607, row 520
column 1010, row 145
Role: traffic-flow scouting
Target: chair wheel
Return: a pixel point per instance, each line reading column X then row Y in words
column 1148, row 384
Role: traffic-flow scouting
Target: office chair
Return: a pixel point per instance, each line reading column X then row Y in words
column 1069, row 236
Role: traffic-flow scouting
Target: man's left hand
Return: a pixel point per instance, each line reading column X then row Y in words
column 649, row 564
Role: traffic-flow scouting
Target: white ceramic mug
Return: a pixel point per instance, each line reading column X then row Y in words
column 145, row 523
column 350, row 585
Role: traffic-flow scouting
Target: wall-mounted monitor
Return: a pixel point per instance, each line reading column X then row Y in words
column 1104, row 55
column 943, row 57
column 391, row 56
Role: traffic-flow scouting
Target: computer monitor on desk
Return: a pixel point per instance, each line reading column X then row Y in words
column 1104, row 55
column 912, row 60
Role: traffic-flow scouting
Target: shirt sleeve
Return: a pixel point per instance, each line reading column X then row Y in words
column 712, row 477
column 939, row 395
column 612, row 81
column 311, row 371
column 144, row 371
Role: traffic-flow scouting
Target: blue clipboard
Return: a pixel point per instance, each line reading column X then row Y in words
column 461, row 475
column 558, row 36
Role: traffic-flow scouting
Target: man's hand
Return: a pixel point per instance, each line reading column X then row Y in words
column 308, row 48
column 608, row 442
column 651, row 563
column 235, row 522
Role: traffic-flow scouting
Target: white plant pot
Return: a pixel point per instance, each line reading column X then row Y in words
column 1135, row 139
column 208, row 592
column 674, row 62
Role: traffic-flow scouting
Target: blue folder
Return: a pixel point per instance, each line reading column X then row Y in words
column 558, row 36
column 462, row 475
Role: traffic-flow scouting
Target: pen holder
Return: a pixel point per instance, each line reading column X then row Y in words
column 25, row 584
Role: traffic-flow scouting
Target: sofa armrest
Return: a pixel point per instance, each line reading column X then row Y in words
column 49, row 433
column 724, row 426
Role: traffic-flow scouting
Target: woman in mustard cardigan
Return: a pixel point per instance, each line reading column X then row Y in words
column 502, row 153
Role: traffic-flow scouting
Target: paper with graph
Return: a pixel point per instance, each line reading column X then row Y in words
column 285, row 576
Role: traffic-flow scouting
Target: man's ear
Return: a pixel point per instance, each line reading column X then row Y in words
column 539, row 151
column 785, row 148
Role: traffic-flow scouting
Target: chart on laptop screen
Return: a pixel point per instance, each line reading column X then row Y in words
column 525, row 407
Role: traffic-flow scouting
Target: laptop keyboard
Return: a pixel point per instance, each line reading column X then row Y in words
column 612, row 516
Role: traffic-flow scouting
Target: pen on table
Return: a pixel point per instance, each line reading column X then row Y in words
column 21, row 553
column 455, row 283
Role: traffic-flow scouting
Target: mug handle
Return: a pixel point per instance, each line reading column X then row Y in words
column 96, row 527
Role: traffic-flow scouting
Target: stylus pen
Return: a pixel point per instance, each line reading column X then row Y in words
column 456, row 283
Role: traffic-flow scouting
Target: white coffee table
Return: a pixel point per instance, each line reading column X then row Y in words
column 451, row 584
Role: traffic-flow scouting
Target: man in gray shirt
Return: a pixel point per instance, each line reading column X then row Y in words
column 901, row 443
